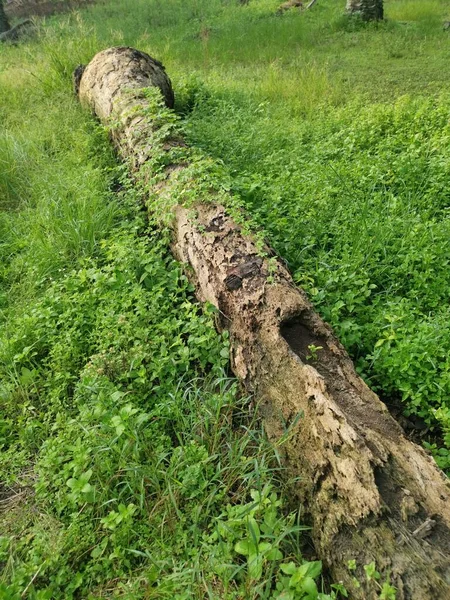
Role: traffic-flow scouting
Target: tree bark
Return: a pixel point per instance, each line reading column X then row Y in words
column 370, row 10
column 4, row 23
column 370, row 493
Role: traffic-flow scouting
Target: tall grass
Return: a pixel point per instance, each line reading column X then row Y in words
column 430, row 11
column 14, row 182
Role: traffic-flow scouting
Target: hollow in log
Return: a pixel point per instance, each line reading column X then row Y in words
column 371, row 494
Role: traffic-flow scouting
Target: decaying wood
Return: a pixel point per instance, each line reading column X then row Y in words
column 371, row 494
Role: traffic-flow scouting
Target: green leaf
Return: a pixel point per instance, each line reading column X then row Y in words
column 309, row 586
column 264, row 547
column 253, row 530
column 388, row 592
column 274, row 554
column 299, row 574
column 339, row 587
column 314, row 568
column 86, row 475
column 288, row 568
column 243, row 547
column 255, row 565
column 118, row 424
column 371, row 572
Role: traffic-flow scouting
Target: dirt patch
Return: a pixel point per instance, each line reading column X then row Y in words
column 42, row 8
column 12, row 496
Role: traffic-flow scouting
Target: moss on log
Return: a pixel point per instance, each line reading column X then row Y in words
column 370, row 493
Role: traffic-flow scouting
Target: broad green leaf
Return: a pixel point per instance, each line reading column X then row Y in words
column 253, row 529
column 299, row 575
column 309, row 586
column 255, row 565
column 243, row 547
column 314, row 568
column 264, row 547
column 288, row 568
column 274, row 554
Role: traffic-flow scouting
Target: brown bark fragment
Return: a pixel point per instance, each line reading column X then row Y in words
column 372, row 495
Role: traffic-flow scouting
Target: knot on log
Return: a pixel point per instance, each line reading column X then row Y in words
column 233, row 282
column 216, row 224
column 250, row 268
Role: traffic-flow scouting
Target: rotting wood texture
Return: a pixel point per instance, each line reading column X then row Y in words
column 370, row 493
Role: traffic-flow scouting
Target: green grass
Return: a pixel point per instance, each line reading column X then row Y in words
column 129, row 463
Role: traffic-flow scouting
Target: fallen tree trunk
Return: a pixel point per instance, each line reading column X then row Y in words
column 372, row 495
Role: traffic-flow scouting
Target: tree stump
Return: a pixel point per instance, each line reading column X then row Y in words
column 371, row 494
column 370, row 10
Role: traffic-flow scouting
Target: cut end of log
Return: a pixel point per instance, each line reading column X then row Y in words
column 119, row 69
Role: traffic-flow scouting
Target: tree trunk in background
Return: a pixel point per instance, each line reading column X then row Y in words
column 4, row 23
column 370, row 10
column 370, row 493
column 16, row 32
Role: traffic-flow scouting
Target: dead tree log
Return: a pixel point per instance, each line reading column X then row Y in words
column 372, row 495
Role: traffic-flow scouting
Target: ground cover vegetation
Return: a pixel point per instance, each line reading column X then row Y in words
column 128, row 465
